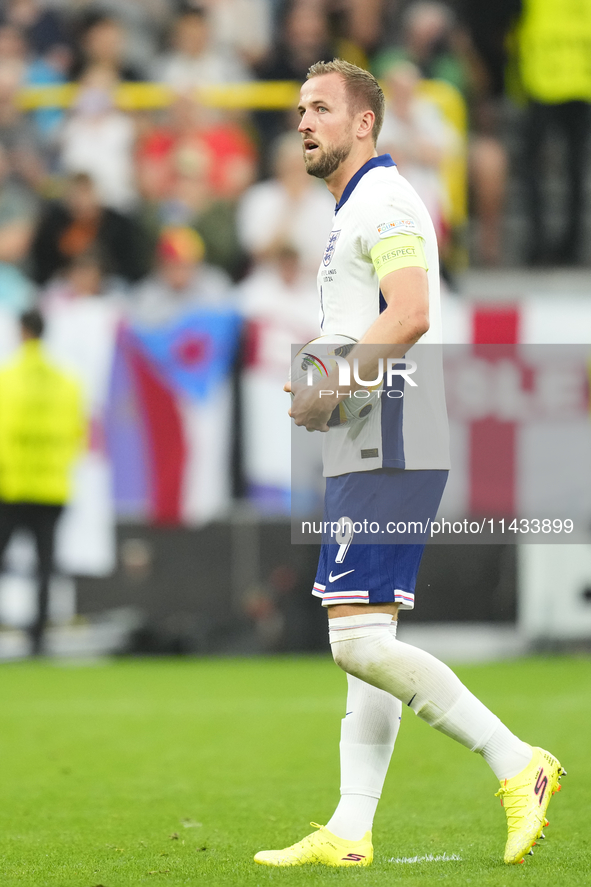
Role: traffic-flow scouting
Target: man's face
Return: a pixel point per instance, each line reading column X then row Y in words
column 177, row 273
column 82, row 200
column 326, row 124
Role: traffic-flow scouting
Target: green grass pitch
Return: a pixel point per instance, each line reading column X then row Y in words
column 170, row 772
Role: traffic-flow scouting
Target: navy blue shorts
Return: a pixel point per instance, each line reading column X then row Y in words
column 377, row 524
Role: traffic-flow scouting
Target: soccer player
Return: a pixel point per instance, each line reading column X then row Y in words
column 379, row 284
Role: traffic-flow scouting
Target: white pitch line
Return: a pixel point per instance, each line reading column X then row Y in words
column 443, row 857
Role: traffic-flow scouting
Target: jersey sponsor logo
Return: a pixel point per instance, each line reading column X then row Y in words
column 330, row 247
column 541, row 785
column 332, row 578
column 398, row 226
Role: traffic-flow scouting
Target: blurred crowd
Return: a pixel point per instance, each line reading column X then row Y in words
column 146, row 217
column 91, row 197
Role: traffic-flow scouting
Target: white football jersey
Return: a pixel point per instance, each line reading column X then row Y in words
column 408, row 429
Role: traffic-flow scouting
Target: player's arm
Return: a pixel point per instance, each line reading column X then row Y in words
column 406, row 318
column 402, row 271
column 401, row 267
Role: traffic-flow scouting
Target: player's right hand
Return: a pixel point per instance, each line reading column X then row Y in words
column 308, row 408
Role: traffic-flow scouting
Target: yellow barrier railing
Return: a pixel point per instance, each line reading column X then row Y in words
column 254, row 95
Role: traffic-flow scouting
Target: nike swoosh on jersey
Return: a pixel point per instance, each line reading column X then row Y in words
column 332, row 578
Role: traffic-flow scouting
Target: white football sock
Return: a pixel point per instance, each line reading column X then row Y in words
column 368, row 651
column 353, row 817
column 505, row 754
column 368, row 733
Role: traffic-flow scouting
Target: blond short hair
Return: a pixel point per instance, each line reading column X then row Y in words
column 363, row 90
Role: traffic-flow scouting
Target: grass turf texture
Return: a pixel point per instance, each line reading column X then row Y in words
column 176, row 772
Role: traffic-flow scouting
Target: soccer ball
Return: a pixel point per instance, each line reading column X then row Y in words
column 316, row 360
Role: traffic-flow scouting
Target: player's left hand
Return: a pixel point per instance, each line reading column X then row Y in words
column 308, row 408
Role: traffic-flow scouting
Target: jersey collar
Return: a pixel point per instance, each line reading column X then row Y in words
column 382, row 160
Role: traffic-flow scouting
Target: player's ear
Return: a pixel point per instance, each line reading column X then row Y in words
column 366, row 123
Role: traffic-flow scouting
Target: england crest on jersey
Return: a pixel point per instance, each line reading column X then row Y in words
column 330, row 247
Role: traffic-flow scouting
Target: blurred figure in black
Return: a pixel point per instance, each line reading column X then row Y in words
column 488, row 26
column 102, row 41
column 72, row 226
column 41, row 434
column 555, row 72
column 427, row 37
column 303, row 39
column 43, row 28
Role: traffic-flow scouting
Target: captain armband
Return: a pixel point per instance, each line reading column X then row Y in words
column 400, row 251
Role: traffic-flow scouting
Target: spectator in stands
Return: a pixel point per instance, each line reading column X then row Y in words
column 555, row 72
column 102, row 42
column 427, row 42
column 42, row 428
column 83, row 310
column 18, row 208
column 488, row 25
column 13, row 47
column 18, row 135
column 20, row 167
column 17, row 292
column 49, row 69
column 36, row 69
column 417, row 136
column 180, row 281
column 487, row 28
column 18, row 211
column 280, row 301
column 98, row 139
column 43, row 28
column 189, row 200
column 194, row 60
column 360, row 24
column 69, row 227
column 290, row 209
column 192, row 138
column 280, row 296
column 143, row 23
column 432, row 41
column 303, row 38
column 82, row 277
column 241, row 28
column 217, row 225
column 192, row 171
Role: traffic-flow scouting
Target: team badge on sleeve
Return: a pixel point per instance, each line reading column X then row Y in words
column 397, row 226
column 330, row 247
